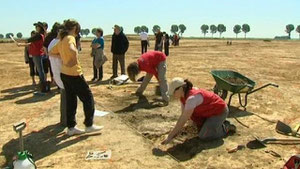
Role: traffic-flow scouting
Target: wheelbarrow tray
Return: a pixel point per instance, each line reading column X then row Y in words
column 222, row 83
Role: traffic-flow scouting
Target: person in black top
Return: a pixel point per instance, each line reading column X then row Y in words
column 166, row 43
column 158, row 40
column 119, row 46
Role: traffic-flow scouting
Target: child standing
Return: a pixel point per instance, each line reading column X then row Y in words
column 97, row 51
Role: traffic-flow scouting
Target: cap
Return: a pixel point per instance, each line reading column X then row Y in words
column 175, row 83
column 40, row 24
column 117, row 27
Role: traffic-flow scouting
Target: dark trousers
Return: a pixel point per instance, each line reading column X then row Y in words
column 97, row 71
column 121, row 59
column 47, row 66
column 166, row 46
column 144, row 44
column 31, row 67
column 77, row 86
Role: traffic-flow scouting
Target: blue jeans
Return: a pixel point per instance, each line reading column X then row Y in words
column 37, row 60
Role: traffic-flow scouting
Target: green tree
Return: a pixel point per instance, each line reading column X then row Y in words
column 1, row 36
column 8, row 35
column 237, row 29
column 19, row 35
column 213, row 30
column 245, row 29
column 155, row 28
column 144, row 28
column 204, row 29
column 298, row 30
column 137, row 29
column 174, row 29
column 94, row 30
column 221, row 29
column 82, row 32
column 86, row 32
column 289, row 29
column 182, row 28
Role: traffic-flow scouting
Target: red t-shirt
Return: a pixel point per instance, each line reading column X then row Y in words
column 36, row 47
column 149, row 61
column 212, row 105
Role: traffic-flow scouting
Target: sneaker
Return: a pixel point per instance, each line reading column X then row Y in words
column 93, row 79
column 74, row 131
column 230, row 129
column 93, row 128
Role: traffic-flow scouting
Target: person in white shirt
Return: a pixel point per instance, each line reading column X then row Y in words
column 144, row 41
column 56, row 63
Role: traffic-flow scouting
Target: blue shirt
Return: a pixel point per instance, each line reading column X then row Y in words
column 99, row 41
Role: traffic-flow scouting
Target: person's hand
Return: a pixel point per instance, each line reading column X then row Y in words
column 18, row 44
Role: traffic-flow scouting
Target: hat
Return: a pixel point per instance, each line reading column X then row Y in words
column 40, row 24
column 175, row 83
column 117, row 27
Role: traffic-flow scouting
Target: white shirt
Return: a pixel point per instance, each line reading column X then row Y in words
column 144, row 36
column 192, row 102
column 55, row 65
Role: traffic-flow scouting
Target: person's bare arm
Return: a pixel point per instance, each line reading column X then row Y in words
column 23, row 44
column 179, row 125
column 96, row 45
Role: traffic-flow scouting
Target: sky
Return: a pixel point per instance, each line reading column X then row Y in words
column 267, row 18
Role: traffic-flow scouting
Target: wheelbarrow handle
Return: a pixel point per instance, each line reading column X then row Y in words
column 273, row 84
column 279, row 139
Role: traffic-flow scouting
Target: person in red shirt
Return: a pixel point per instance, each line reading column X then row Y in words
column 206, row 110
column 36, row 50
column 154, row 63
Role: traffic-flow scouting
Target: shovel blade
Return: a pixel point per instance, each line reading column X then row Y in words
column 283, row 128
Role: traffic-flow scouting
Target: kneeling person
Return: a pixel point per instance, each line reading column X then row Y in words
column 206, row 109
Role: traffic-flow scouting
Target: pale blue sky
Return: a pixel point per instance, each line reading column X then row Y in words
column 267, row 18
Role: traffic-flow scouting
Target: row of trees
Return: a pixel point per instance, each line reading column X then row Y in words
column 180, row 29
column 174, row 29
column 222, row 28
column 19, row 35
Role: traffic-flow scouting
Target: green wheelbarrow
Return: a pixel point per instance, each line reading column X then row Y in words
column 236, row 83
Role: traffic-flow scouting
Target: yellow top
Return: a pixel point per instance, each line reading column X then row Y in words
column 62, row 48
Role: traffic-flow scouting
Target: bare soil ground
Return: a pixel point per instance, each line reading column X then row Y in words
column 136, row 126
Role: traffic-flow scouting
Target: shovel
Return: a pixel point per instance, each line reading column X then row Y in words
column 263, row 142
column 285, row 129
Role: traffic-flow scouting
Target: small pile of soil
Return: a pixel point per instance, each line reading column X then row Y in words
column 236, row 81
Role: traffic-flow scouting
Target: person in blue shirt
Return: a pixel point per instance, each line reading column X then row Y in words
column 97, row 47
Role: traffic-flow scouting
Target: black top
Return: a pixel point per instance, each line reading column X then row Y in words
column 158, row 37
column 119, row 43
column 36, row 37
column 49, row 38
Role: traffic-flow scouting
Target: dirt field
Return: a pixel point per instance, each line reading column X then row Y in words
column 135, row 126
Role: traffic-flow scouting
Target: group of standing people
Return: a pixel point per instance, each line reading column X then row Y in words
column 161, row 41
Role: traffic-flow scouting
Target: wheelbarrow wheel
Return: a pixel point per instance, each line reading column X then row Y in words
column 220, row 92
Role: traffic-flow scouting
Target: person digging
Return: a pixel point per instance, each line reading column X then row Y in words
column 206, row 109
column 153, row 63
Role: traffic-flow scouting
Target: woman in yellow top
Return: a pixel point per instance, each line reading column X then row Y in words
column 73, row 80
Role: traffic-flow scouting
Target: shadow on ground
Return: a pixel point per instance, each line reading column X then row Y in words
column 142, row 103
column 42, row 143
column 16, row 92
column 38, row 98
column 188, row 149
